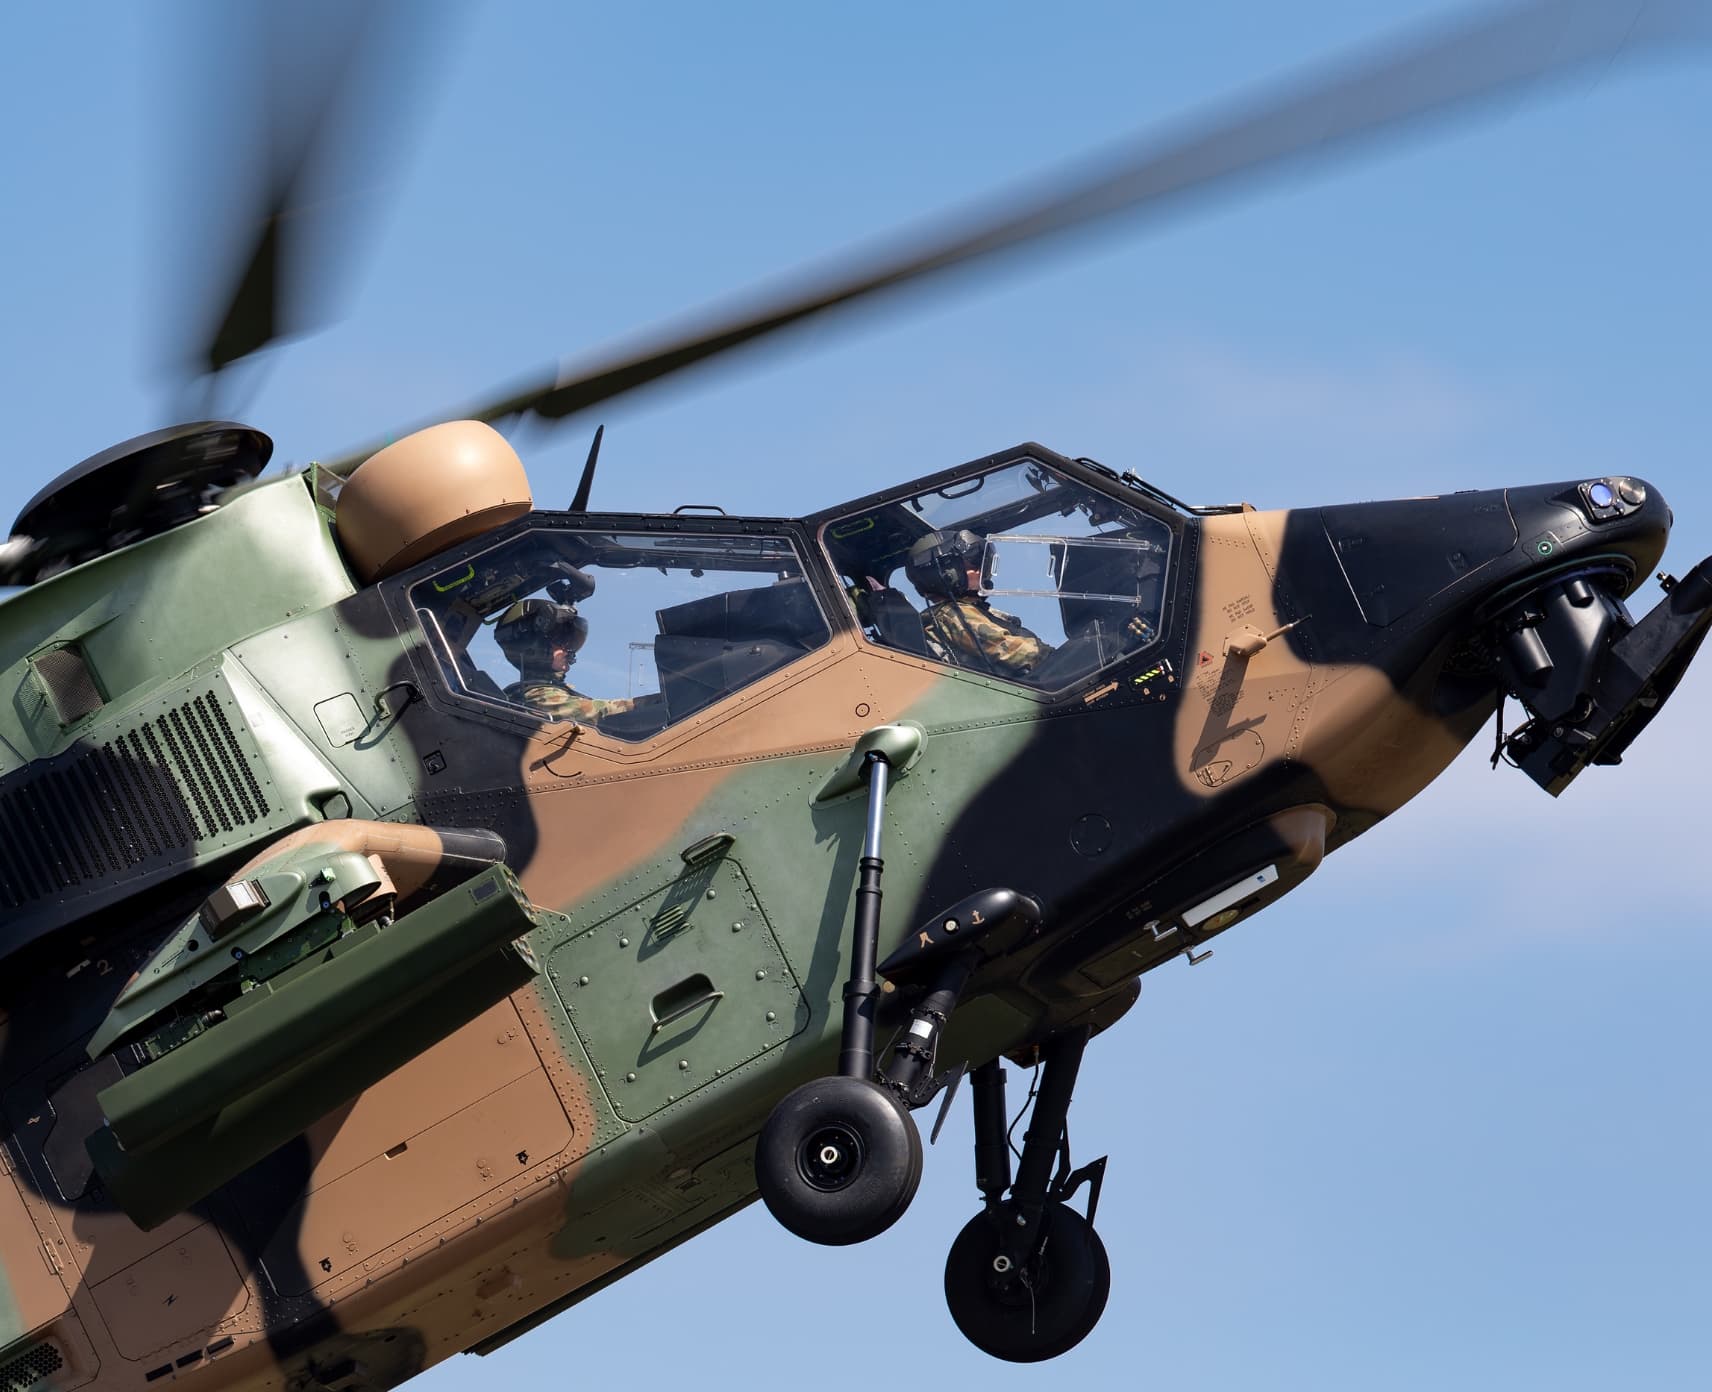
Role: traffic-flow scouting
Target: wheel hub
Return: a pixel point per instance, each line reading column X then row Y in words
column 830, row 1157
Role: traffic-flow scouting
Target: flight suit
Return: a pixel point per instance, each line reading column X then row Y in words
column 981, row 637
column 564, row 703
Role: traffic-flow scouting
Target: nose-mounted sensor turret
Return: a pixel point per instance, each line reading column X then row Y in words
column 1590, row 677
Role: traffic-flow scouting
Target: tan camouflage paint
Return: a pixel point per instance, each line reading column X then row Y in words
column 1250, row 704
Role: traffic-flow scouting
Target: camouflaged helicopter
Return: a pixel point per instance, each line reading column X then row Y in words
column 377, row 1012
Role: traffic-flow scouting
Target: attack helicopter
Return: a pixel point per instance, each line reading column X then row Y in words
column 634, row 956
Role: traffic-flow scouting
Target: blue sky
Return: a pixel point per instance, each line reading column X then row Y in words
column 1439, row 1118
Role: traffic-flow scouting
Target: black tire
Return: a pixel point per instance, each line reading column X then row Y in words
column 1072, row 1277
column 838, row 1161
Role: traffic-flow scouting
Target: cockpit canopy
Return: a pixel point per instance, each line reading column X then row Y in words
column 632, row 625
column 674, row 621
column 1078, row 577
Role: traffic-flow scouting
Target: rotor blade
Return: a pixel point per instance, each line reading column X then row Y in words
column 291, row 107
column 255, row 313
column 1492, row 55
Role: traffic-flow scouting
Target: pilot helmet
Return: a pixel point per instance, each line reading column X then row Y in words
column 939, row 562
column 531, row 629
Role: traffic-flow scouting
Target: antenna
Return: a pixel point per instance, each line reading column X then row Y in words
column 580, row 502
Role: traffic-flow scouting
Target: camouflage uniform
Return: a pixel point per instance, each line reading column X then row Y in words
column 555, row 699
column 979, row 636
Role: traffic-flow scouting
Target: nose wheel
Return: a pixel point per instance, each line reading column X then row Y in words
column 1036, row 1311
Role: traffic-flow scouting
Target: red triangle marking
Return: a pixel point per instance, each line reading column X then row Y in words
column 1206, row 657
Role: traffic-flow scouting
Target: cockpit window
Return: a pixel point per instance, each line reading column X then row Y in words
column 1017, row 573
column 628, row 633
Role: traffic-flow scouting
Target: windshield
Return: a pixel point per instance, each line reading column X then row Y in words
column 1079, row 576
column 628, row 632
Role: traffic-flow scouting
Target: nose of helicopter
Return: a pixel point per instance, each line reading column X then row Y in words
column 1414, row 562
column 1618, row 517
column 1529, row 583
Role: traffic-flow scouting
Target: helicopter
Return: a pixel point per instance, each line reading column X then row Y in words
column 1068, row 518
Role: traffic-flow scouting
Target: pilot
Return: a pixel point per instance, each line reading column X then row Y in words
column 945, row 566
column 540, row 638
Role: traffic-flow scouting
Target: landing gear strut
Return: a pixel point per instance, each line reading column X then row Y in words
column 839, row 1159
column 1028, row 1277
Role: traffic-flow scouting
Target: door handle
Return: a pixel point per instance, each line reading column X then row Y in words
column 707, row 997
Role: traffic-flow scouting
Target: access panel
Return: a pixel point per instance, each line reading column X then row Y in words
column 678, row 989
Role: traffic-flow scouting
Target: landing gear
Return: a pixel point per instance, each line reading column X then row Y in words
column 1028, row 1277
column 838, row 1161
column 1029, row 1314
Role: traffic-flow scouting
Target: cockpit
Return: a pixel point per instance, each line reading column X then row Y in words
column 628, row 631
column 1013, row 570
column 1018, row 573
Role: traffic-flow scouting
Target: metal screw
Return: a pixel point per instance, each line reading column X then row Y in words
column 1021, row 1221
column 950, row 925
column 629, row 1077
column 771, row 1017
column 582, row 981
column 736, row 927
column 760, row 976
column 1001, row 1263
column 624, row 942
column 683, row 1064
column 713, row 894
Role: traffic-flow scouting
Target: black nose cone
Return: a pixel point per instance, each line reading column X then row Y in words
column 1399, row 556
column 1406, row 559
column 1383, row 581
column 1616, row 516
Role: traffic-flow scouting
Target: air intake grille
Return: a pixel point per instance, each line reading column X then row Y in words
column 30, row 1367
column 69, row 683
column 104, row 808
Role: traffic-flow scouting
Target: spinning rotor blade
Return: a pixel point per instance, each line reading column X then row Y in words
column 300, row 141
column 1487, row 57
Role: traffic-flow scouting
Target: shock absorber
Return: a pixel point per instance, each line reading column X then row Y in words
column 856, row 1054
column 910, row 1069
